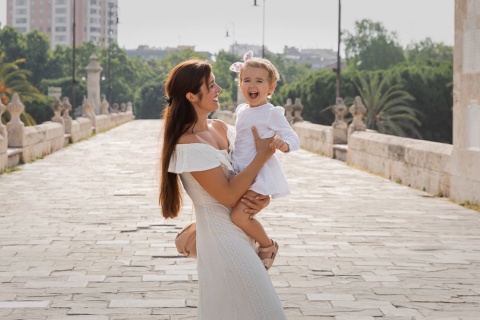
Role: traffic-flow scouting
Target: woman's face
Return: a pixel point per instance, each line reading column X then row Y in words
column 207, row 99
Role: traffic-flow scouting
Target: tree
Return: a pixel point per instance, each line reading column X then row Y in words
column 12, row 44
column 427, row 52
column 372, row 47
column 37, row 55
column 388, row 106
column 15, row 80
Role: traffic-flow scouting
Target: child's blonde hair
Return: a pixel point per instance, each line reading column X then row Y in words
column 273, row 75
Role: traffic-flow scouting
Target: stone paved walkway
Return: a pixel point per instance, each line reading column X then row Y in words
column 81, row 237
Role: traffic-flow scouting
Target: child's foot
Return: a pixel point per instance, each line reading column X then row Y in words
column 268, row 254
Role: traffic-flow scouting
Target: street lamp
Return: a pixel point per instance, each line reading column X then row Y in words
column 338, row 50
column 74, row 81
column 263, row 37
column 112, row 10
column 233, row 34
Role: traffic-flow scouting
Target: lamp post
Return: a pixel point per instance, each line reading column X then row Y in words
column 233, row 35
column 111, row 20
column 74, row 81
column 263, row 36
column 338, row 50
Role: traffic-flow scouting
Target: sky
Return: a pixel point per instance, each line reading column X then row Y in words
column 304, row 24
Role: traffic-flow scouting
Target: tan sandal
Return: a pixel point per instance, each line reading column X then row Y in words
column 268, row 254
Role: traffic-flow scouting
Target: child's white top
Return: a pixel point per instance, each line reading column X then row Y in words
column 269, row 120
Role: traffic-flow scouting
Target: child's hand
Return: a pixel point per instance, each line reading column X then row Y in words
column 280, row 145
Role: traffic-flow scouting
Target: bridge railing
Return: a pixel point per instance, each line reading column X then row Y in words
column 21, row 144
column 429, row 166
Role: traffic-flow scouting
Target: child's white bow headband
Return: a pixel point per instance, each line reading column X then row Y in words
column 238, row 65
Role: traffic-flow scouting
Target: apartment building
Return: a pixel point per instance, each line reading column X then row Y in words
column 94, row 20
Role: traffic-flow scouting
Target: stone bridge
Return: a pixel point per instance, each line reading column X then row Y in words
column 82, row 237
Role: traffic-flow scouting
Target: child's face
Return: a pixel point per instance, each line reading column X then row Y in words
column 255, row 86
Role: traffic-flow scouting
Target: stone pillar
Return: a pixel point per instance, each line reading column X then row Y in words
column 93, row 82
column 289, row 111
column 340, row 127
column 297, row 110
column 357, row 110
column 463, row 163
column 123, row 107
column 115, row 108
column 473, row 126
column 57, row 108
column 15, row 126
column 67, row 119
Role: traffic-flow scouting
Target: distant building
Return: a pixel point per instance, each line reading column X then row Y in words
column 95, row 20
column 148, row 53
column 318, row 58
column 240, row 49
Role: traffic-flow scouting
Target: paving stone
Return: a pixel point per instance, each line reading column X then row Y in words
column 82, row 238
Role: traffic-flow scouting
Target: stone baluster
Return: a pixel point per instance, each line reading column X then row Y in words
column 67, row 119
column 123, row 107
column 57, row 108
column 15, row 126
column 115, row 108
column 3, row 131
column 358, row 110
column 129, row 107
column 289, row 111
column 88, row 109
column 297, row 110
column 104, row 106
column 340, row 127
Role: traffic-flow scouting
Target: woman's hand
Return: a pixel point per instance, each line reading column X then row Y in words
column 264, row 146
column 255, row 204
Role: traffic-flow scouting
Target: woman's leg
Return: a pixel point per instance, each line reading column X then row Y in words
column 251, row 226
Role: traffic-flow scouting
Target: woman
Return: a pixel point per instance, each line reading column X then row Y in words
column 233, row 283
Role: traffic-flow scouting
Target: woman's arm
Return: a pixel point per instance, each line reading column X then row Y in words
column 229, row 191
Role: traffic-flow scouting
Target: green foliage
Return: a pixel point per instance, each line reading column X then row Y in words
column 428, row 53
column 372, row 47
column 12, row 44
column 432, row 90
column 388, row 106
column 226, row 79
column 151, row 100
column 15, row 80
column 37, row 55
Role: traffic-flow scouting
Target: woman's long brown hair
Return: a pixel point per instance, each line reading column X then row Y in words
column 178, row 116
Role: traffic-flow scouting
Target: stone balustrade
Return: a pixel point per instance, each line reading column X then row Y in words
column 22, row 144
column 424, row 165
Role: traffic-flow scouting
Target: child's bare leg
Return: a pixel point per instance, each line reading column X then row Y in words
column 252, row 226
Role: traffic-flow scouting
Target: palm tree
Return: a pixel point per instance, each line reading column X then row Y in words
column 15, row 80
column 388, row 109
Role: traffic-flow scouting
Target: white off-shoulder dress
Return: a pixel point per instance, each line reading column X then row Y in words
column 233, row 283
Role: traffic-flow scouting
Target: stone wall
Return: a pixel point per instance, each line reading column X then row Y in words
column 22, row 144
column 417, row 163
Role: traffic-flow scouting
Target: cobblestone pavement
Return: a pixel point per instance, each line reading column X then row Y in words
column 81, row 237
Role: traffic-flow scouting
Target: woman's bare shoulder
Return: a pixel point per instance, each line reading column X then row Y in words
column 188, row 138
column 222, row 123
